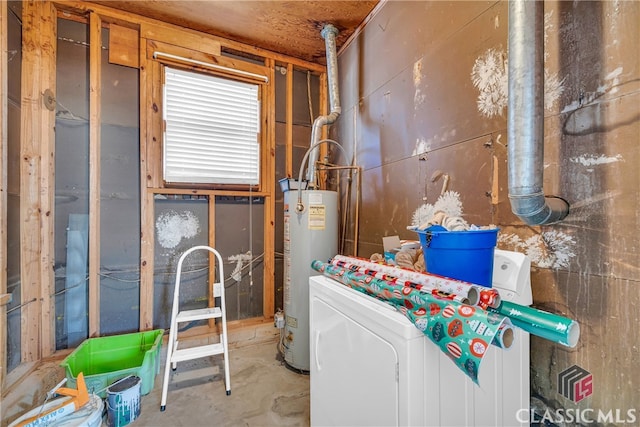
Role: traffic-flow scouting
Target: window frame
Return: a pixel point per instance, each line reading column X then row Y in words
column 259, row 130
column 227, row 85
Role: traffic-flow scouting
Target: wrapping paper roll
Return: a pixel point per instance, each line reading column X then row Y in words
column 552, row 327
column 463, row 332
column 396, row 281
column 504, row 336
column 476, row 295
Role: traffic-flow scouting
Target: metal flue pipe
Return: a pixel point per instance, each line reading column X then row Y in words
column 525, row 120
column 329, row 33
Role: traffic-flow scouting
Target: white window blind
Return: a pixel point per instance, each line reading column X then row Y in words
column 211, row 129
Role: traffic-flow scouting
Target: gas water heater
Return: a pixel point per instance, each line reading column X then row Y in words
column 310, row 225
column 308, row 235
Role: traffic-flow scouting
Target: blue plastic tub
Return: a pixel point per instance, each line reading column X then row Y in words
column 461, row 255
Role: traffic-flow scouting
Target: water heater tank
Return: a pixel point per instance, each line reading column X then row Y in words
column 309, row 235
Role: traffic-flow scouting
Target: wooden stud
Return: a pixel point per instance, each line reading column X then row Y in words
column 153, row 120
column 95, row 72
column 147, row 264
column 30, row 219
column 147, row 238
column 48, row 34
column 4, row 298
column 269, row 180
column 289, row 123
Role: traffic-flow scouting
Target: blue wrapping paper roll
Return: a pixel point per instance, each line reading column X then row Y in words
column 463, row 332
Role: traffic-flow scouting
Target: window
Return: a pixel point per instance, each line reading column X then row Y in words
column 212, row 127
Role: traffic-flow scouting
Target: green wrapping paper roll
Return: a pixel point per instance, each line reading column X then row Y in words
column 462, row 332
column 552, row 327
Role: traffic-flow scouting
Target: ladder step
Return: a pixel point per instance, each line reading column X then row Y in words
column 197, row 352
column 199, row 314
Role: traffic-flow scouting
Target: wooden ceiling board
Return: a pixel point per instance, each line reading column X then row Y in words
column 289, row 28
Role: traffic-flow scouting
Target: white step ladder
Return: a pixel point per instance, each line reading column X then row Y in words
column 175, row 355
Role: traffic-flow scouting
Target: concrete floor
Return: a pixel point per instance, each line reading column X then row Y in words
column 264, row 392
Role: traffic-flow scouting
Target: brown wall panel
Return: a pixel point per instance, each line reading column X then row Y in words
column 585, row 267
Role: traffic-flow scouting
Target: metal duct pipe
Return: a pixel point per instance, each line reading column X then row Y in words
column 329, row 33
column 525, row 120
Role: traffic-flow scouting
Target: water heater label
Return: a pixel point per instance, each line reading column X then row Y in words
column 292, row 321
column 317, row 215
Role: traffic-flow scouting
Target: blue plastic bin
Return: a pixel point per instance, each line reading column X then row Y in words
column 461, row 255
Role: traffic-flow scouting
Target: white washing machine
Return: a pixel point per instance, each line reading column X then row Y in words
column 370, row 366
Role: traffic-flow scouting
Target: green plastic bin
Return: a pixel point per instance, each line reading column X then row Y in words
column 105, row 360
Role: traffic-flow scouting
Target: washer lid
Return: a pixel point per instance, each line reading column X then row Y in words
column 373, row 313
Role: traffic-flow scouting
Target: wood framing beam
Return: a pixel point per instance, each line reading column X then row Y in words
column 30, row 208
column 147, row 139
column 269, row 182
column 4, row 298
column 95, row 98
column 179, row 37
column 151, row 119
column 48, row 34
column 147, row 241
column 205, row 192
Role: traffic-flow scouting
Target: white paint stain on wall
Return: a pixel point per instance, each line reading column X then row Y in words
column 553, row 85
column 610, row 85
column 550, row 249
column 489, row 76
column 422, row 146
column 172, row 227
column 239, row 259
column 612, row 80
column 417, row 72
column 418, row 96
column 553, row 88
column 592, row 160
